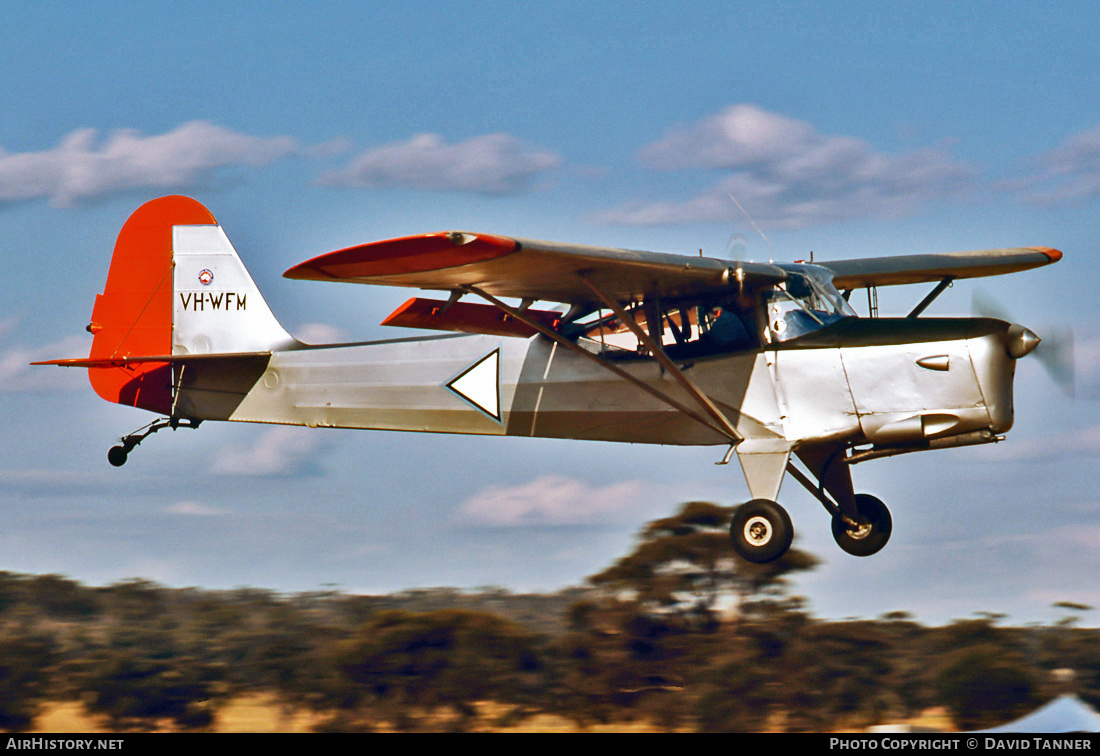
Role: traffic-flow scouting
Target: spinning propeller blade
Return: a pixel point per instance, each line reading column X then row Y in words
column 1055, row 351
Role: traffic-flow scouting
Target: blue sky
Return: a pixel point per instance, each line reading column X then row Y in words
column 849, row 129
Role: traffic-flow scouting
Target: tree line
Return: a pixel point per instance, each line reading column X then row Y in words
column 679, row 633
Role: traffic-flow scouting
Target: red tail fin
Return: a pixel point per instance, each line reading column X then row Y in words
column 133, row 315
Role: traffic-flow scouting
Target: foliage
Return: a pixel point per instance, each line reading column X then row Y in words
column 23, row 657
column 684, row 563
column 448, row 658
column 678, row 634
column 985, row 685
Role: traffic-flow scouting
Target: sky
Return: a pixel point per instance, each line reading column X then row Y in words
column 845, row 129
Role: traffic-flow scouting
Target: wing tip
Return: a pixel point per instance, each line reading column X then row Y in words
column 1054, row 255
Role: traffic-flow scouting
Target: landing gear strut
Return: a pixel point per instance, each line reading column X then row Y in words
column 761, row 531
column 117, row 455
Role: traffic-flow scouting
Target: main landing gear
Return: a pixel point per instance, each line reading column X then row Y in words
column 117, row 455
column 761, row 529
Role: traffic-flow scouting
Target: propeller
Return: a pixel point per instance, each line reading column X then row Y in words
column 1054, row 351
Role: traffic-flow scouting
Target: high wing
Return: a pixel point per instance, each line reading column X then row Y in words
column 908, row 269
column 531, row 270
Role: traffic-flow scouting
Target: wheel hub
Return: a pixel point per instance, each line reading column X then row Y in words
column 758, row 531
column 858, row 530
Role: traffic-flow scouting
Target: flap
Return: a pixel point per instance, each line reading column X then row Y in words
column 467, row 317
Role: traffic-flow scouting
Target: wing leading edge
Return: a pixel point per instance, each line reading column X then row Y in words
column 530, row 269
column 533, row 270
column 909, row 269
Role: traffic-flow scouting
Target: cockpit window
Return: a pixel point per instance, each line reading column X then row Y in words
column 741, row 320
column 684, row 329
column 806, row 301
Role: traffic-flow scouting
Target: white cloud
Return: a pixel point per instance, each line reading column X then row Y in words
column 320, row 333
column 1086, row 363
column 195, row 509
column 53, row 482
column 84, row 168
column 1068, row 173
column 495, row 164
column 738, row 136
column 788, row 175
column 1079, row 442
column 281, row 451
column 555, row 500
column 8, row 325
column 17, row 374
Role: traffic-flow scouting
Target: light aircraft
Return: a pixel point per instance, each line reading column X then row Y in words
column 767, row 359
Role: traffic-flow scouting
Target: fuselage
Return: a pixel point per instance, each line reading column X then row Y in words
column 885, row 381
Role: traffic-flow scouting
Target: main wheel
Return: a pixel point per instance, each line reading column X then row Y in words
column 116, row 455
column 873, row 532
column 761, row 531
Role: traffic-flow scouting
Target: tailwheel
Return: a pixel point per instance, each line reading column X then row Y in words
column 870, row 534
column 761, row 531
column 116, row 455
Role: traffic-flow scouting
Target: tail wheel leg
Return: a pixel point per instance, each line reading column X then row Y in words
column 761, row 531
column 868, row 534
column 117, row 455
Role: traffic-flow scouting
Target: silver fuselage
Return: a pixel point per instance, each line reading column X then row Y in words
column 885, row 381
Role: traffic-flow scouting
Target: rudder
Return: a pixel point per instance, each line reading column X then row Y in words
column 172, row 276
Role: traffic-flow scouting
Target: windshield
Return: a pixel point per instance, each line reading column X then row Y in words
column 806, row 301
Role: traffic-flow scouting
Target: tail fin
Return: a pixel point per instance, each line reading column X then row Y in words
column 176, row 287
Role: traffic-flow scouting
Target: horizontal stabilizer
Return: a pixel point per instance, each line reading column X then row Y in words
column 144, row 359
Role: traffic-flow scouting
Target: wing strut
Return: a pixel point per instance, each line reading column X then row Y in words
column 725, row 429
column 947, row 281
column 659, row 354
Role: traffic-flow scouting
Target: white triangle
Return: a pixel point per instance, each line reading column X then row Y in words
column 479, row 384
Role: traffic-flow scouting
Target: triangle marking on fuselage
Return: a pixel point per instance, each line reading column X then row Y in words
column 479, row 384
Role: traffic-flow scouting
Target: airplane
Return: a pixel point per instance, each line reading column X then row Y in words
column 767, row 359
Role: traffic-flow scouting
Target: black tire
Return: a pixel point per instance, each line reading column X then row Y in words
column 116, row 455
column 871, row 537
column 761, row 531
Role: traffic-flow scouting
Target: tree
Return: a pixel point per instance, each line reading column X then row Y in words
column 407, row 664
column 1073, row 606
column 984, row 685
column 685, row 564
column 649, row 645
column 141, row 676
column 25, row 657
